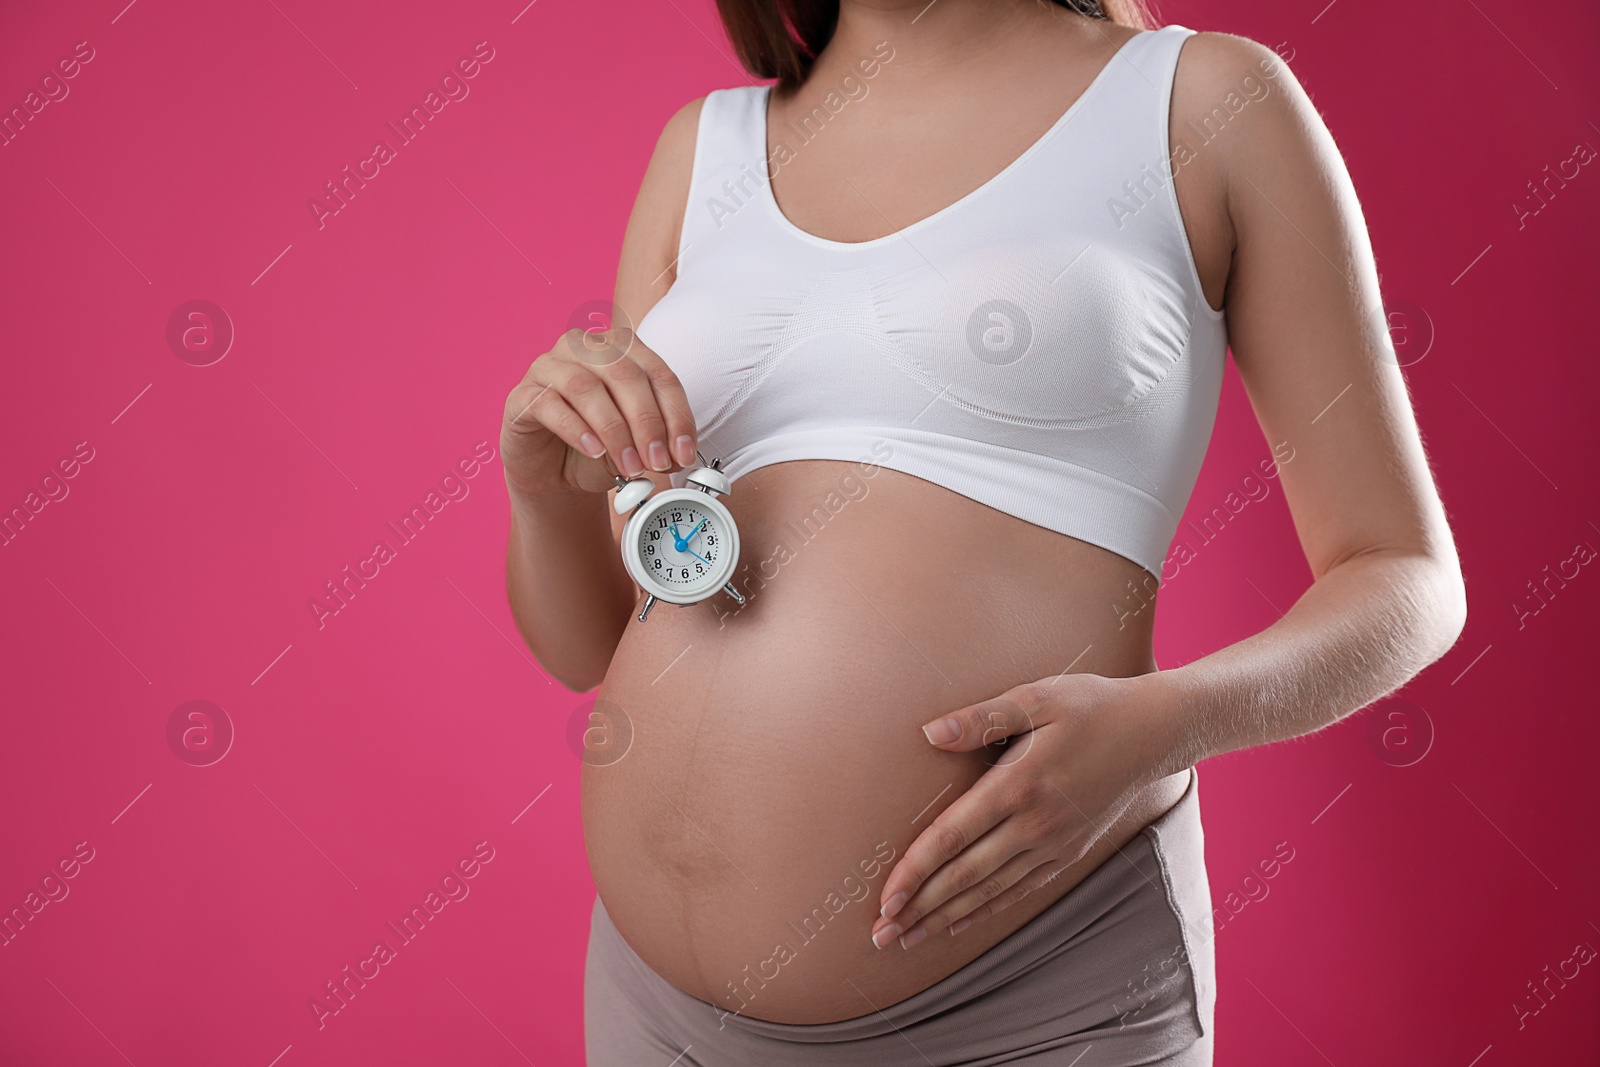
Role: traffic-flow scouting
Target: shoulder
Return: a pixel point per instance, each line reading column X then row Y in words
column 1238, row 110
column 1219, row 61
column 665, row 186
column 680, row 129
column 650, row 244
column 1222, row 78
column 674, row 151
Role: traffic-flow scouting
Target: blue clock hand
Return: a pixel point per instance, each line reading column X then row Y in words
column 696, row 529
column 698, row 556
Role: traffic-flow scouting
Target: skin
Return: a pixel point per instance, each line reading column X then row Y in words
column 773, row 749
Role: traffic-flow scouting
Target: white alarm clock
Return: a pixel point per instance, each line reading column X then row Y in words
column 680, row 545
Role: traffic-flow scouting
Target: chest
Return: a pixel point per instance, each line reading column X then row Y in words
column 884, row 163
column 1054, row 294
column 1043, row 330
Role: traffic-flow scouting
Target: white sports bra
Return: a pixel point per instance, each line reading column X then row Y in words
column 1042, row 345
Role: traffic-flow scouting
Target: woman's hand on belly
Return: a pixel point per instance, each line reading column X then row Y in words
column 1078, row 750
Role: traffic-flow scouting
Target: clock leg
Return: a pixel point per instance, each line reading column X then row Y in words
column 731, row 591
column 649, row 603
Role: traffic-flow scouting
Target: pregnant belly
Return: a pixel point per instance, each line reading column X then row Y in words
column 772, row 765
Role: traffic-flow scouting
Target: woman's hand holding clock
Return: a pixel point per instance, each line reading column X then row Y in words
column 1078, row 748
column 595, row 394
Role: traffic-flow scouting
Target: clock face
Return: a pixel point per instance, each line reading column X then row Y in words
column 682, row 545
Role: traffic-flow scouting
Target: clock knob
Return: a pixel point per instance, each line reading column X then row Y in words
column 631, row 494
column 709, row 478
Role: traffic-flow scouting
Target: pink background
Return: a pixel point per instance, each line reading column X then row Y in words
column 374, row 752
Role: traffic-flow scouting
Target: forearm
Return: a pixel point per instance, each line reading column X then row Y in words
column 566, row 585
column 1362, row 630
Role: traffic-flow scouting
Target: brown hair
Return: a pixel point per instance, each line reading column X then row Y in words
column 782, row 38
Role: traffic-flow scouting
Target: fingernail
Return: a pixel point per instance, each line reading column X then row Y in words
column 892, row 908
column 591, row 446
column 630, row 462
column 942, row 732
column 914, row 937
column 658, row 456
column 959, row 925
column 685, row 449
column 886, row 935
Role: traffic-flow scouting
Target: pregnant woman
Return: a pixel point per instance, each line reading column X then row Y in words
column 950, row 302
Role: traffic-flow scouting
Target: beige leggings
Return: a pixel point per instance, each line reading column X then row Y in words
column 1119, row 971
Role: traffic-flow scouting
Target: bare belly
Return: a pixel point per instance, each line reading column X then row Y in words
column 775, row 767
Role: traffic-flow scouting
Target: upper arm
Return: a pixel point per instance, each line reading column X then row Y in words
column 1306, row 323
column 648, row 264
